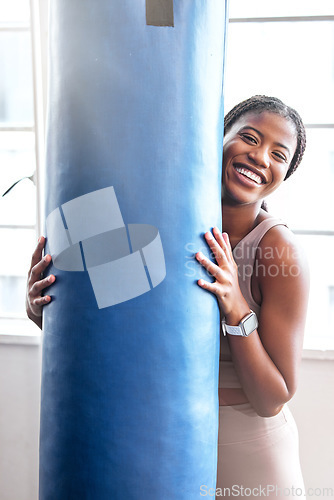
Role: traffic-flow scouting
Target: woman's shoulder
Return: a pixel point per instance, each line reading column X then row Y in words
column 281, row 247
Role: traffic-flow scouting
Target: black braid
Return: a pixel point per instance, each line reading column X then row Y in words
column 260, row 103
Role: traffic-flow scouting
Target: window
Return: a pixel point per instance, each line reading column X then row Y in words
column 276, row 48
column 20, row 140
column 286, row 49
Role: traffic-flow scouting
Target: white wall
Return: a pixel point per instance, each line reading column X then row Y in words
column 313, row 408
column 19, row 421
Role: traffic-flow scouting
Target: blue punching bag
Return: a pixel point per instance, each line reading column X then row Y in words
column 131, row 342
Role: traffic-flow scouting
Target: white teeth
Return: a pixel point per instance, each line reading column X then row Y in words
column 249, row 174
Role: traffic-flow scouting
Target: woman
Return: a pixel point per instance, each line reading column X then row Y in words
column 261, row 284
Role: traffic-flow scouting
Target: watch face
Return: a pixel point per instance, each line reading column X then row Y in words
column 250, row 324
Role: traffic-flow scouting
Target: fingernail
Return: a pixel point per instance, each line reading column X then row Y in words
column 208, row 236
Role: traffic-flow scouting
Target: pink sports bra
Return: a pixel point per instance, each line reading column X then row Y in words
column 244, row 254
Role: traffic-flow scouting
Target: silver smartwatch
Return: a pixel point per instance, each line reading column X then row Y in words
column 246, row 326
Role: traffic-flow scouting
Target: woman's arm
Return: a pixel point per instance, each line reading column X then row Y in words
column 267, row 361
column 36, row 284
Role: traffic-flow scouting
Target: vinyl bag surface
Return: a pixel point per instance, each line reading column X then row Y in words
column 131, row 342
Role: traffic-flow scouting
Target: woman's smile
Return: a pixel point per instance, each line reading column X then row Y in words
column 250, row 174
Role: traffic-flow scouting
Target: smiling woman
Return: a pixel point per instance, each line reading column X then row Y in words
column 296, row 38
column 261, row 285
column 260, row 104
column 258, row 152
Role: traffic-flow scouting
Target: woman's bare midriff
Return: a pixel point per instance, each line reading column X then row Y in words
column 229, row 396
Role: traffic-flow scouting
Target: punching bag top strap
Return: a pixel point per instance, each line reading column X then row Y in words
column 160, row 12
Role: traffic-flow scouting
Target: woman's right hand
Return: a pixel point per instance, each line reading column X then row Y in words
column 35, row 300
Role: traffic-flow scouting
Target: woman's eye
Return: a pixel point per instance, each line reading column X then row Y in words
column 249, row 138
column 280, row 156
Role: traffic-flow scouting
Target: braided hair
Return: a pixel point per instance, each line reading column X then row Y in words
column 261, row 103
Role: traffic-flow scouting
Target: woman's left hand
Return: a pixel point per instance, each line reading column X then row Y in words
column 226, row 287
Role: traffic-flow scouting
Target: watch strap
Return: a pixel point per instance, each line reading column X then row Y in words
column 233, row 330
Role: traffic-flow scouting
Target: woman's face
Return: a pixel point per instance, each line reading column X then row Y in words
column 257, row 152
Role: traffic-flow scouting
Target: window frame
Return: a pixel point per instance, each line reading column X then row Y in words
column 14, row 330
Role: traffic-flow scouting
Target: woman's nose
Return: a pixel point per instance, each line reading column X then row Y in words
column 260, row 156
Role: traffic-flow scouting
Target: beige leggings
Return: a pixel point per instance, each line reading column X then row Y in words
column 257, row 456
